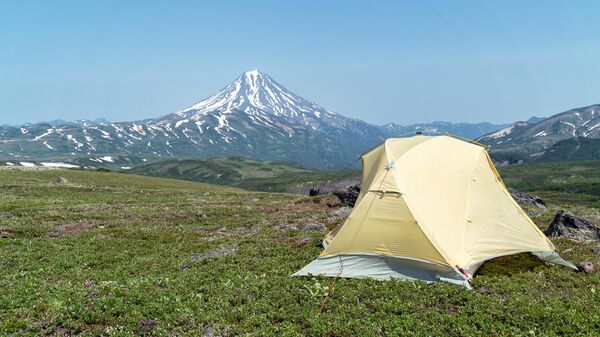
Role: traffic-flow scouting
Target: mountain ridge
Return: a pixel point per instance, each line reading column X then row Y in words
column 524, row 141
column 254, row 116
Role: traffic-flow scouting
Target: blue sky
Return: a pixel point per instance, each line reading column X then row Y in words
column 395, row 61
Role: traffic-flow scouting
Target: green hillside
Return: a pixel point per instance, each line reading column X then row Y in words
column 568, row 182
column 111, row 254
column 241, row 172
column 579, row 148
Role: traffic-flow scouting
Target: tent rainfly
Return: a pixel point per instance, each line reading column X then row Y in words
column 431, row 208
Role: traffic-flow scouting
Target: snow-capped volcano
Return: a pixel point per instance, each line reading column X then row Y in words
column 256, row 93
column 254, row 116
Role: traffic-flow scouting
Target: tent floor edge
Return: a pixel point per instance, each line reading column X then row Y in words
column 553, row 257
column 381, row 267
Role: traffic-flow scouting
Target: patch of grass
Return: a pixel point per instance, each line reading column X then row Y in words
column 107, row 253
column 242, row 172
column 575, row 182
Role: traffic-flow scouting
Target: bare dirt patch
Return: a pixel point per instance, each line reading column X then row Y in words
column 328, row 202
column 71, row 229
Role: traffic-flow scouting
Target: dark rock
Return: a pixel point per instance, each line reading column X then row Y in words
column 346, row 190
column 572, row 227
column 349, row 196
column 312, row 227
column 61, row 180
column 523, row 198
column 586, row 267
column 148, row 325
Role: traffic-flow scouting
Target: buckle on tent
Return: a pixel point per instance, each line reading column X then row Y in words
column 462, row 271
column 390, row 165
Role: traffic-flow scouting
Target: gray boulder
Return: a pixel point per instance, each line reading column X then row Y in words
column 346, row 190
column 522, row 198
column 572, row 227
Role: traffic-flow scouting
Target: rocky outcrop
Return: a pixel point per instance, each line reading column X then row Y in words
column 348, row 196
column 346, row 190
column 572, row 227
column 526, row 199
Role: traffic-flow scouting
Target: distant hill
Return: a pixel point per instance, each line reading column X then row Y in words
column 570, row 182
column 241, row 172
column 526, row 141
column 468, row 130
column 571, row 149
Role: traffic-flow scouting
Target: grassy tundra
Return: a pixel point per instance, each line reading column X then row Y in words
column 114, row 254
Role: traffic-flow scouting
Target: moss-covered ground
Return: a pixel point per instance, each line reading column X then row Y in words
column 109, row 254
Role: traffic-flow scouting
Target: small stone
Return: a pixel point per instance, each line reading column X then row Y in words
column 302, row 242
column 208, row 331
column 254, row 200
column 285, row 226
column 333, row 201
column 586, row 267
column 148, row 325
column 312, row 227
column 343, row 212
column 61, row 180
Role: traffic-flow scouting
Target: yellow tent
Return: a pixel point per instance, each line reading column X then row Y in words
column 431, row 208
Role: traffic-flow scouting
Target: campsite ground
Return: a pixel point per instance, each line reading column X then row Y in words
column 112, row 254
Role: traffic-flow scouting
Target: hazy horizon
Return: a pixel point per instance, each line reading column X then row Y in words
column 402, row 63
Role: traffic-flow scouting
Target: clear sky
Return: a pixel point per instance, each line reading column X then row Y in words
column 394, row 61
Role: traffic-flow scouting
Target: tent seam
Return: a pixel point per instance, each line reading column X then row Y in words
column 386, row 255
column 387, row 157
column 468, row 189
column 515, row 204
column 422, row 225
